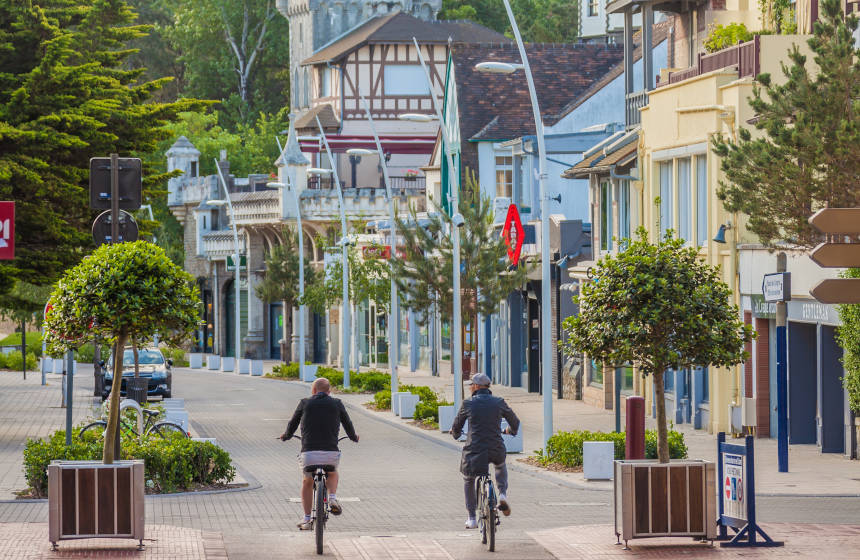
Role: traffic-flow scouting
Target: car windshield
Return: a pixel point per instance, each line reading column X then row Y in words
column 144, row 357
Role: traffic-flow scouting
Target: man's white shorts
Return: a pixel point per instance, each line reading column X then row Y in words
column 308, row 458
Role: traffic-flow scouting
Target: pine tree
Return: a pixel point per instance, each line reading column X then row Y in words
column 64, row 98
column 806, row 156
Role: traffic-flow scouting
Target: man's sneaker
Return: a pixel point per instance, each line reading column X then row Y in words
column 334, row 506
column 504, row 507
column 471, row 523
column 305, row 525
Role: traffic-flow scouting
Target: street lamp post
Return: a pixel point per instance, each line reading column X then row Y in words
column 236, row 261
column 345, row 319
column 454, row 194
column 546, row 317
column 393, row 325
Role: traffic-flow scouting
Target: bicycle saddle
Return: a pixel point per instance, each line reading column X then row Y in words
column 313, row 468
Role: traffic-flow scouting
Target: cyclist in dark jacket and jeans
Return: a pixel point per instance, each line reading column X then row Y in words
column 484, row 444
column 320, row 416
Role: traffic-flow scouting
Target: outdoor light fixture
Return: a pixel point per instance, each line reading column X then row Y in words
column 721, row 234
column 458, row 220
column 416, row 117
column 360, row 152
column 216, row 202
column 318, row 171
column 498, row 67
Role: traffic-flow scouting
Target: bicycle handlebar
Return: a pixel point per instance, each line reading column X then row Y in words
column 281, row 437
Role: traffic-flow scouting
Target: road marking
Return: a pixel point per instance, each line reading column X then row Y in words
column 573, row 503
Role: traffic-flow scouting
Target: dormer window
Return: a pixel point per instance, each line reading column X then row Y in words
column 325, row 82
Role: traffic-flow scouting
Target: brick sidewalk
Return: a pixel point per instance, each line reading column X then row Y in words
column 29, row 541
column 801, row 541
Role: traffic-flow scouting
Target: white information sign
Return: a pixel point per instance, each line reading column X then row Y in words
column 734, row 486
column 776, row 287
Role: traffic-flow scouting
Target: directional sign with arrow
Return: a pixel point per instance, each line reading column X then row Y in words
column 837, row 255
column 837, row 221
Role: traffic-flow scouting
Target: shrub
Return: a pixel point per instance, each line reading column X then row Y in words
column 171, row 464
column 177, row 355
column 426, row 394
column 335, row 377
column 371, row 381
column 429, row 411
column 724, row 36
column 34, row 342
column 284, row 371
column 382, row 399
column 13, row 361
column 2, row 360
column 565, row 448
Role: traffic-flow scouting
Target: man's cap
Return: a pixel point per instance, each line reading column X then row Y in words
column 481, row 379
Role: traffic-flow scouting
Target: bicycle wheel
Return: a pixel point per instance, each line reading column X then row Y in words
column 480, row 500
column 98, row 427
column 166, row 429
column 490, row 519
column 319, row 523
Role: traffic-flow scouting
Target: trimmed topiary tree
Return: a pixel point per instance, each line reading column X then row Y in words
column 128, row 291
column 658, row 306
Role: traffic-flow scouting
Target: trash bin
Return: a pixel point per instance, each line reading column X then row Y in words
column 136, row 389
column 99, row 385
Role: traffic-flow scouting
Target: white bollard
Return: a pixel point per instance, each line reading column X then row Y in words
column 597, row 460
column 406, row 406
column 213, row 361
column 47, row 365
column 308, row 372
column 395, row 401
column 195, row 360
column 513, row 444
column 446, row 417
column 257, row 367
column 228, row 363
column 244, row 366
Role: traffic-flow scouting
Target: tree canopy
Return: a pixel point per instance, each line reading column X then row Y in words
column 806, row 156
column 848, row 335
column 543, row 21
column 657, row 306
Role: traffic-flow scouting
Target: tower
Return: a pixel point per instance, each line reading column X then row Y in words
column 183, row 156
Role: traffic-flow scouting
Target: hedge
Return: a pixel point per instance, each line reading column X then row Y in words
column 12, row 361
column 565, row 448
column 170, row 465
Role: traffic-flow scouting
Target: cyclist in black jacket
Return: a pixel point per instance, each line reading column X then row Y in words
column 321, row 416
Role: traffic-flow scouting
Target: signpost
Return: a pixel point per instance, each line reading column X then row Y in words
column 837, row 222
column 513, row 234
column 736, row 479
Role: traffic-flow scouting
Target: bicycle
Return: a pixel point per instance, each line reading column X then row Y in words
column 319, row 503
column 488, row 515
column 163, row 428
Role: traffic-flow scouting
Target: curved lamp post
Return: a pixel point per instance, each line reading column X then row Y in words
column 546, row 317
column 345, row 319
column 236, row 261
column 454, row 194
column 393, row 324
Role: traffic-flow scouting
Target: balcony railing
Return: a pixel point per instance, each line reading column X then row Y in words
column 743, row 56
column 634, row 102
column 408, row 182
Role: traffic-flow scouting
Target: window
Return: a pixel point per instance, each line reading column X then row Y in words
column 605, row 216
column 625, row 374
column 624, row 210
column 665, row 196
column 194, row 169
column 504, row 175
column 669, row 381
column 706, row 389
column 405, row 80
column 306, row 88
column 325, row 82
column 685, row 198
column 204, row 221
column 701, row 200
column 592, row 7
column 595, row 373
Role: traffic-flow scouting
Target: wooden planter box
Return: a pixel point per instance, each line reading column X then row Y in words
column 677, row 499
column 87, row 499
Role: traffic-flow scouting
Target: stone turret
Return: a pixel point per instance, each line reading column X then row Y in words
column 183, row 156
column 292, row 167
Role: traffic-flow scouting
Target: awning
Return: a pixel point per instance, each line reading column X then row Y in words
column 390, row 144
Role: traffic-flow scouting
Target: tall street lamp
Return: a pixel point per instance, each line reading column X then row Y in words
column 393, row 324
column 344, row 242
column 226, row 201
column 546, row 317
column 457, row 219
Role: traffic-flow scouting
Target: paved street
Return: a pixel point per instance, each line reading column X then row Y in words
column 401, row 491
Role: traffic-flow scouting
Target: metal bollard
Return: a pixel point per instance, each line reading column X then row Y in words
column 634, row 447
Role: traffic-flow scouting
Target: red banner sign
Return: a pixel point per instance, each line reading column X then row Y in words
column 513, row 234
column 7, row 230
column 376, row 252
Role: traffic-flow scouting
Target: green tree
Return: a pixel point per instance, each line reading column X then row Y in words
column 546, row 21
column 848, row 335
column 156, row 54
column 806, row 156
column 424, row 272
column 657, row 306
column 65, row 97
column 281, row 282
column 122, row 292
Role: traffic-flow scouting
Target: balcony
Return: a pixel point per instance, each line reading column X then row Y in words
column 634, row 102
column 744, row 57
column 219, row 244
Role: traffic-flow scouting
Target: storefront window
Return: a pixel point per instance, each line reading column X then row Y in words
column 626, row 376
column 446, row 340
column 595, row 373
column 669, row 381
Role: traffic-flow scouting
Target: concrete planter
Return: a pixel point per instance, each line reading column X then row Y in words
column 257, row 367
column 58, row 365
column 395, row 401
column 195, row 360
column 244, row 366
column 173, row 404
column 446, row 417
column 513, row 444
column 675, row 499
column 87, row 499
column 228, row 363
column 308, row 372
column 406, row 406
column 178, row 415
column 213, row 362
column 597, row 460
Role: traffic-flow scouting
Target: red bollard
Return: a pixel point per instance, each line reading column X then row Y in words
column 635, row 446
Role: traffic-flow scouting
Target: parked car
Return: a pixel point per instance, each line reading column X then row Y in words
column 152, row 366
